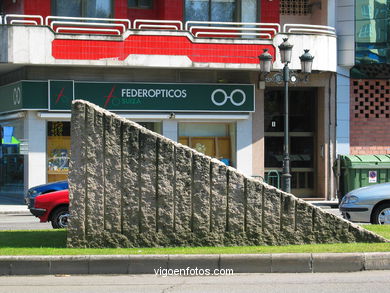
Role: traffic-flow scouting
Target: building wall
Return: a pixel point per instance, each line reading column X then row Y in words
column 370, row 117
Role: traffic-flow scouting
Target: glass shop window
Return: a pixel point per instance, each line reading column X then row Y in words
column 58, row 150
column 213, row 139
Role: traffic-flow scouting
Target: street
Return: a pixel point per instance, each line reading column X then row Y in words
column 366, row 281
column 21, row 221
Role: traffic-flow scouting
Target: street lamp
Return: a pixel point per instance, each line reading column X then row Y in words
column 265, row 68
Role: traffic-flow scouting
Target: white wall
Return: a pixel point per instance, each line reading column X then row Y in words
column 169, row 129
column 35, row 164
column 244, row 146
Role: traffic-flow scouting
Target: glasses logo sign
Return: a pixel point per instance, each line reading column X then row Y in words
column 237, row 97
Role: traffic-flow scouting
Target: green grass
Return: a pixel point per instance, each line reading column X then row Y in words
column 53, row 242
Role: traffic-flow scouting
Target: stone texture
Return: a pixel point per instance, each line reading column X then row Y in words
column 271, row 215
column 165, row 186
column 287, row 220
column 130, row 180
column 254, row 210
column 77, row 177
column 218, row 197
column 200, row 221
column 236, row 202
column 182, row 192
column 303, row 222
column 94, row 223
column 112, row 174
column 147, row 185
column 130, row 187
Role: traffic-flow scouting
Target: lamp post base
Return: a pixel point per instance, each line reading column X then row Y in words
column 286, row 182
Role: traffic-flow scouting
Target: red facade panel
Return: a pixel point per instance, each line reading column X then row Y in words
column 120, row 9
column 158, row 45
column 270, row 11
column 37, row 7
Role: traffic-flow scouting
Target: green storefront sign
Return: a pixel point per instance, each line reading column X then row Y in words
column 58, row 95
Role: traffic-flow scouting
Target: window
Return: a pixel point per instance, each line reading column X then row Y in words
column 58, row 150
column 210, row 10
column 139, row 4
column 365, row 31
column 83, row 8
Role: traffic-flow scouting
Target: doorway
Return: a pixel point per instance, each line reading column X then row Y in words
column 302, row 137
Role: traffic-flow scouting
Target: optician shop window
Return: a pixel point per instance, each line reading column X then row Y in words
column 83, row 8
column 213, row 139
column 58, row 150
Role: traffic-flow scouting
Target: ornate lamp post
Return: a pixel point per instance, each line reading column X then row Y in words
column 265, row 68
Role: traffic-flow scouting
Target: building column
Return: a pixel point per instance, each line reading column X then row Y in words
column 169, row 129
column 244, row 146
column 35, row 163
column 343, row 117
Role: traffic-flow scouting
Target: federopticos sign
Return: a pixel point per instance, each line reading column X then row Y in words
column 154, row 96
column 57, row 95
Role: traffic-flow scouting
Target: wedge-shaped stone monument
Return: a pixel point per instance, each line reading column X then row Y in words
column 130, row 187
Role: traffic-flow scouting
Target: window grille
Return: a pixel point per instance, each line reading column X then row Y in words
column 294, row 7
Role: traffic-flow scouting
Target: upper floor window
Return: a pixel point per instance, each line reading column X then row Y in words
column 146, row 4
column 210, row 10
column 83, row 8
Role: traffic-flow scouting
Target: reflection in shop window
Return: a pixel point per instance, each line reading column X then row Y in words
column 11, row 161
column 58, row 150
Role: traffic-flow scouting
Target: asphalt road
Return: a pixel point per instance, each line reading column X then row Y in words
column 21, row 221
column 366, row 281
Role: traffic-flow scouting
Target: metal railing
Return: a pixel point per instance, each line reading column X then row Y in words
column 23, row 19
column 117, row 26
column 308, row 28
column 212, row 28
column 163, row 24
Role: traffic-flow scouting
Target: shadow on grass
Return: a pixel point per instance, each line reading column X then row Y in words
column 34, row 238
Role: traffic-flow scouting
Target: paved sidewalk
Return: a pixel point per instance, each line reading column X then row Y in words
column 173, row 264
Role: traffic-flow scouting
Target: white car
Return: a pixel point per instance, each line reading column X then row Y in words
column 370, row 204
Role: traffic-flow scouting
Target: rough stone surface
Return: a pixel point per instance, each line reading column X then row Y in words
column 130, row 187
column 94, row 219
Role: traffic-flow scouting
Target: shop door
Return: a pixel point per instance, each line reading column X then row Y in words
column 302, row 137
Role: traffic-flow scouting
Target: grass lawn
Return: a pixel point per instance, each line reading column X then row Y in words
column 53, row 242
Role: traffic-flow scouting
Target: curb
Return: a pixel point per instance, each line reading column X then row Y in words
column 183, row 264
column 21, row 212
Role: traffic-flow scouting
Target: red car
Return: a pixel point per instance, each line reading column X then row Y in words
column 53, row 207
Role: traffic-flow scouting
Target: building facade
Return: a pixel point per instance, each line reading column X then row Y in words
column 363, row 82
column 186, row 69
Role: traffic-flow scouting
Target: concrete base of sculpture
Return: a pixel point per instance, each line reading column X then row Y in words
column 130, row 187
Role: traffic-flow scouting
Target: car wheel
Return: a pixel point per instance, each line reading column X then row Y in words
column 381, row 214
column 59, row 218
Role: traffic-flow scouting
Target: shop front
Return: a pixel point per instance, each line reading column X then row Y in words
column 206, row 117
